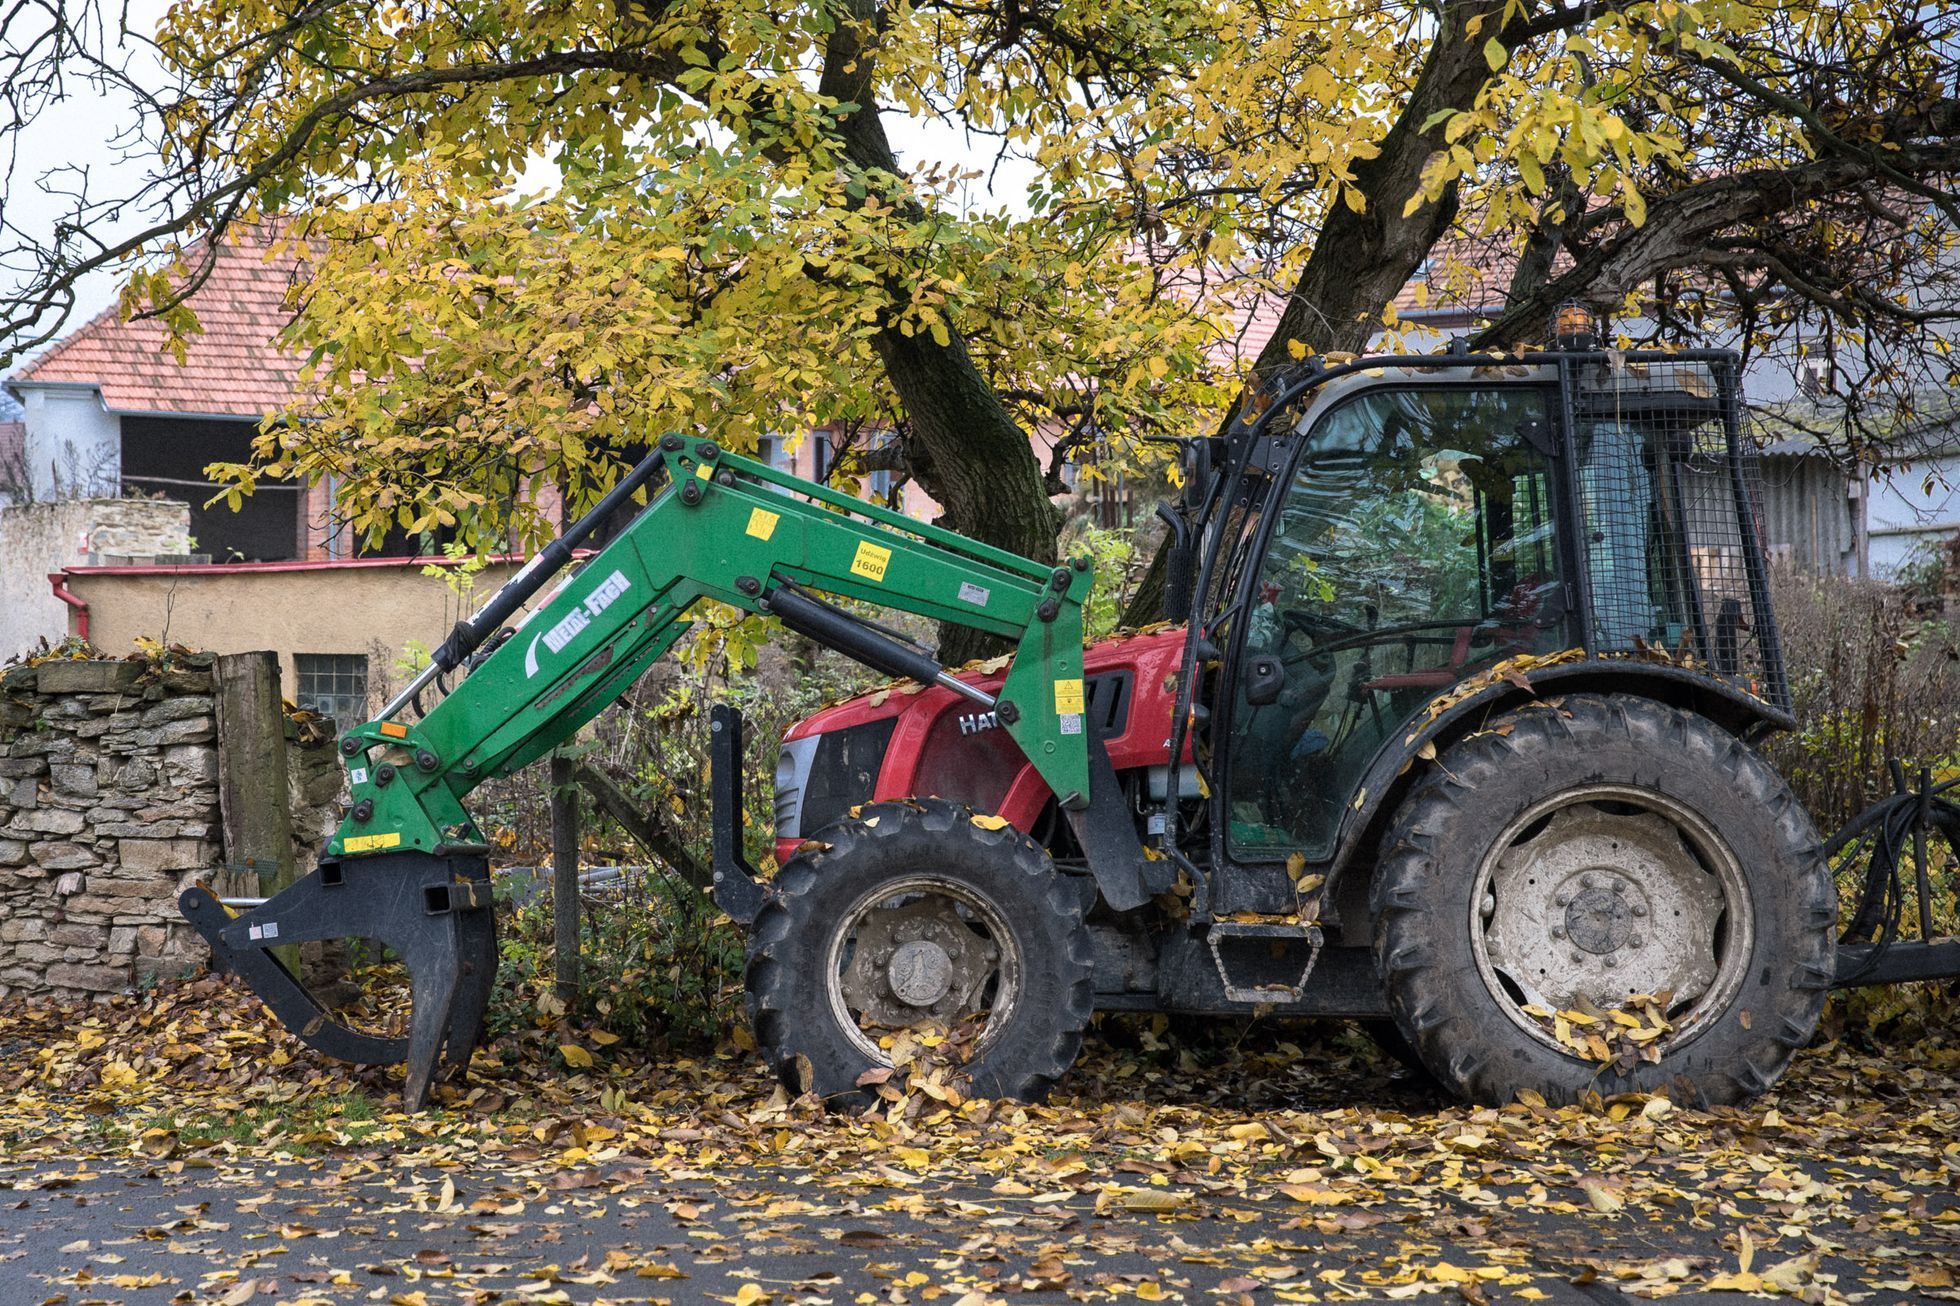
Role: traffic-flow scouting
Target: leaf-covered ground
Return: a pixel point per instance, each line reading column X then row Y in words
column 180, row 1148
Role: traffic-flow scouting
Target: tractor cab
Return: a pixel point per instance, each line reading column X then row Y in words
column 1389, row 538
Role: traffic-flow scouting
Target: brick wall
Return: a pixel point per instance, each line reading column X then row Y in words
column 108, row 809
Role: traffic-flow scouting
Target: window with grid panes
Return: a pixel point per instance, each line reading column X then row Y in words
column 334, row 685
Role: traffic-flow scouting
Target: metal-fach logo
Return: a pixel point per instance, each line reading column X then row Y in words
column 569, row 626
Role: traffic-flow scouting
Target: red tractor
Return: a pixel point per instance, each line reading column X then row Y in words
column 1465, row 718
column 1453, row 731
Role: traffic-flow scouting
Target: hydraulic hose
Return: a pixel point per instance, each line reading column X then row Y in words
column 837, row 629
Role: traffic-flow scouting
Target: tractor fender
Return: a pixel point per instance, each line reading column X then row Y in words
column 1399, row 763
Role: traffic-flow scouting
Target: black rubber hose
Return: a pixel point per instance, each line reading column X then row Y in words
column 466, row 635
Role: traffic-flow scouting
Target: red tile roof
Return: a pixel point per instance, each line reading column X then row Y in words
column 232, row 368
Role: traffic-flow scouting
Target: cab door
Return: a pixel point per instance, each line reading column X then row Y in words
column 1414, row 546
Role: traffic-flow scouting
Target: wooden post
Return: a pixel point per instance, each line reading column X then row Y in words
column 254, row 802
column 564, row 878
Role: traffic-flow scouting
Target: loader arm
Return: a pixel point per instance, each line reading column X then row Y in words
column 731, row 530
column 408, row 866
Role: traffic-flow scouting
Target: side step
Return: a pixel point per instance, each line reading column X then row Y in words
column 1224, row 932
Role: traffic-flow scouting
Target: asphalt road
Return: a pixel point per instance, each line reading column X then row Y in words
column 357, row 1228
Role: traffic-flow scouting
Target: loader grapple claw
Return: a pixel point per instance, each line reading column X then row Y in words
column 431, row 911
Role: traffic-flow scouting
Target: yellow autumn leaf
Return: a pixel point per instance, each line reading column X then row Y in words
column 574, row 1055
column 1151, row 1200
column 1739, row 1282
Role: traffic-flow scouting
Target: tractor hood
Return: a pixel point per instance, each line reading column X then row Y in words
column 908, row 740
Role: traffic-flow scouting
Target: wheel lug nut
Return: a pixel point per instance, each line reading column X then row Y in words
column 1558, row 931
column 1561, row 900
column 1588, row 882
column 1610, row 963
column 1577, row 955
column 1633, row 940
column 1639, row 912
column 1489, row 904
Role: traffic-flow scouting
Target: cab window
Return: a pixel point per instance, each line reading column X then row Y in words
column 1414, row 547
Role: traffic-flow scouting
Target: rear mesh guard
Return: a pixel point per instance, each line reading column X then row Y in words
column 1669, row 490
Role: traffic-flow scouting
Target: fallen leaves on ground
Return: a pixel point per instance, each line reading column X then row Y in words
column 1622, row 1036
column 1238, row 1161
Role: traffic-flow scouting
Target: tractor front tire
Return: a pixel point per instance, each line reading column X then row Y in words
column 914, row 913
column 1585, row 850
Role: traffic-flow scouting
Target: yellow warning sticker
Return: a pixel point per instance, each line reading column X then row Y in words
column 704, row 471
column 1068, row 697
column 871, row 561
column 394, row 730
column 762, row 522
column 364, row 843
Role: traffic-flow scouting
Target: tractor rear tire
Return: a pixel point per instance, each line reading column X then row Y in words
column 1585, row 849
column 941, row 907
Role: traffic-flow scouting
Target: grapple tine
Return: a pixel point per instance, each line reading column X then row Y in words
column 432, row 911
column 476, row 979
column 280, row 989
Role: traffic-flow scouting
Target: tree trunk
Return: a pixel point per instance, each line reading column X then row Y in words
column 982, row 468
column 1361, row 259
column 978, row 462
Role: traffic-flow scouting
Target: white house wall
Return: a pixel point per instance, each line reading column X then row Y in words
column 1909, row 510
column 73, row 446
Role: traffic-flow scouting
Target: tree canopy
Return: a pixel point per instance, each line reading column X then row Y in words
column 541, row 233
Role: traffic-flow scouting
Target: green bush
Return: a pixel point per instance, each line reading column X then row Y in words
column 659, row 966
column 1873, row 675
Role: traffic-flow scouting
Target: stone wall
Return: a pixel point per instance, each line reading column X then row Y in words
column 109, row 808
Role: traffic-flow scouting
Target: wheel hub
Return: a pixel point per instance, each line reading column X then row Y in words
column 920, row 973
column 919, row 960
column 1600, row 904
column 1599, row 919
